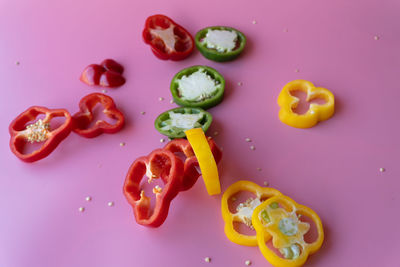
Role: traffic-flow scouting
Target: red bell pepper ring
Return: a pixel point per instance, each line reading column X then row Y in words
column 168, row 40
column 160, row 163
column 84, row 117
column 22, row 132
column 191, row 174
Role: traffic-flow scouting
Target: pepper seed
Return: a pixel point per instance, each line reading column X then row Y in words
column 142, row 112
column 207, row 259
column 252, row 147
column 122, row 143
column 88, row 198
column 376, row 37
column 254, row 22
column 248, row 140
column 161, row 98
column 81, row 209
column 104, row 91
column 259, row 169
column 110, row 204
column 162, row 140
column 296, row 70
column 17, row 63
column 382, row 169
column 248, row 262
column 240, row 83
column 266, row 183
column 171, row 101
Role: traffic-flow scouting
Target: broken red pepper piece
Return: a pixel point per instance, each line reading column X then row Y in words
column 168, row 40
column 191, row 174
column 83, row 118
column 25, row 128
column 107, row 74
column 162, row 164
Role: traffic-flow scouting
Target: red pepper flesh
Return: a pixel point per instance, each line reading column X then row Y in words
column 107, row 74
column 24, row 129
column 159, row 163
column 191, row 174
column 83, row 118
column 168, row 40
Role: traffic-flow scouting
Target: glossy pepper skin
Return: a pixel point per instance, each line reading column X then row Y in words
column 107, row 74
column 190, row 174
column 173, row 132
column 83, row 118
column 208, row 102
column 159, row 164
column 24, row 129
column 316, row 113
column 270, row 221
column 206, row 160
column 167, row 39
column 262, row 193
column 213, row 54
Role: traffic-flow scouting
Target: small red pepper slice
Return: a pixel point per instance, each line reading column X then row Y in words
column 84, row 117
column 107, row 74
column 22, row 132
column 160, row 163
column 191, row 174
column 168, row 40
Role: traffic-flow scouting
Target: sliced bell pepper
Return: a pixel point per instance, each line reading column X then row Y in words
column 220, row 43
column 39, row 131
column 168, row 40
column 206, row 160
column 281, row 222
column 107, row 74
column 198, row 86
column 174, row 122
column 158, row 164
column 191, row 174
column 83, row 118
column 244, row 210
column 316, row 113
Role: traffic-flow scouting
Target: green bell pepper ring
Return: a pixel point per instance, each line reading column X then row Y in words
column 220, row 43
column 174, row 122
column 198, row 86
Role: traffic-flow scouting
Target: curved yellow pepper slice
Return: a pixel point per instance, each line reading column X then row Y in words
column 287, row 231
column 261, row 193
column 315, row 113
column 207, row 164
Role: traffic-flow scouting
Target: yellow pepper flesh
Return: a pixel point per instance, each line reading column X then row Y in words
column 286, row 229
column 261, row 193
column 207, row 164
column 315, row 113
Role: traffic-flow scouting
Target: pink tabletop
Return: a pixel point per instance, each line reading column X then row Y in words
column 349, row 47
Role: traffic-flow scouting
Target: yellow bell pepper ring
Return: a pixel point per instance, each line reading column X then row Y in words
column 316, row 113
column 244, row 210
column 207, row 164
column 279, row 217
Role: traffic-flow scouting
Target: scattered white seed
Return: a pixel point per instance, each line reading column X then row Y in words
column 142, row 112
column 104, row 91
column 81, row 209
column 252, row 147
column 171, row 101
column 259, row 169
column 162, row 140
column 17, row 63
column 376, row 37
column 248, row 262
column 122, row 143
column 382, row 169
column 266, row 183
column 254, row 22
column 216, row 133
column 153, row 176
column 88, row 198
column 248, row 140
column 296, row 70
column 207, row 259
column 161, row 98
column 110, row 204
column 240, row 83
column 233, row 198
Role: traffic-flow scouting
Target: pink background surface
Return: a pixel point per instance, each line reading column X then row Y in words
column 333, row 167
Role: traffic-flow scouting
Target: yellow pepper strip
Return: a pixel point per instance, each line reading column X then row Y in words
column 315, row 113
column 282, row 223
column 206, row 160
column 261, row 193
